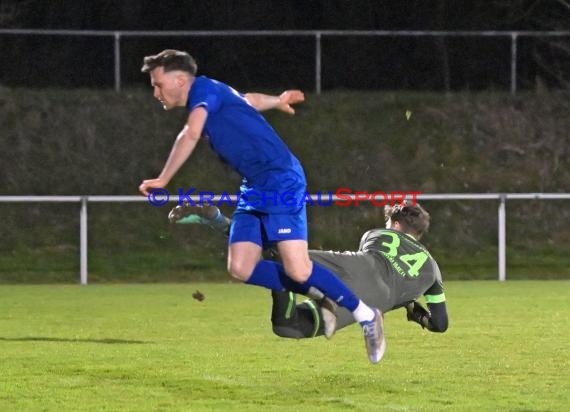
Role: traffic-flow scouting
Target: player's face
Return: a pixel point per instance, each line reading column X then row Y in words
column 168, row 88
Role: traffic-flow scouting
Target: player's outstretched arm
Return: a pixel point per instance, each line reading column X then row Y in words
column 182, row 148
column 284, row 102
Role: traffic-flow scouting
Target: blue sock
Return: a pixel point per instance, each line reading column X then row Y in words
column 271, row 275
column 334, row 288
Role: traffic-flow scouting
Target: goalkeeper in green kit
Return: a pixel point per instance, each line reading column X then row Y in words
column 390, row 270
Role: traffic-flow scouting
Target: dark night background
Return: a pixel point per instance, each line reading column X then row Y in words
column 419, row 63
column 288, row 15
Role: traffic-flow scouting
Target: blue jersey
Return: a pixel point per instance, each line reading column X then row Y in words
column 242, row 137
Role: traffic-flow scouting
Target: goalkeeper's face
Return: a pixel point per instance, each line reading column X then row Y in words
column 170, row 88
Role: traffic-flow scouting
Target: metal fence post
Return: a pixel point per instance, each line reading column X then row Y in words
column 502, row 238
column 117, row 61
column 318, row 62
column 514, row 63
column 83, row 241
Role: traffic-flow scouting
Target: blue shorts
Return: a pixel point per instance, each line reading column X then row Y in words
column 266, row 229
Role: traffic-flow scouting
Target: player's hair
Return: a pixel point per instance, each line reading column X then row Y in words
column 413, row 219
column 170, row 60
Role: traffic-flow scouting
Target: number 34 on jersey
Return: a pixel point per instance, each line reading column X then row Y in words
column 405, row 264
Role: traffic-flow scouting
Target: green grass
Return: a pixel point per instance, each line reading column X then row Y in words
column 153, row 348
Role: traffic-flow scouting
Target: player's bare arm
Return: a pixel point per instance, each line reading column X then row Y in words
column 283, row 102
column 183, row 147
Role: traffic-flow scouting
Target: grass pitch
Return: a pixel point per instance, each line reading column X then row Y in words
column 153, row 348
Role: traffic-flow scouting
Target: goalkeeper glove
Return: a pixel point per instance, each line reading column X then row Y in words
column 417, row 313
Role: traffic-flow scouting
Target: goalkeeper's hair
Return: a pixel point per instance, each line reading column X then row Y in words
column 413, row 219
column 170, row 60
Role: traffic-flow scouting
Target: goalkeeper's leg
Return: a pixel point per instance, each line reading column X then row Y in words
column 290, row 320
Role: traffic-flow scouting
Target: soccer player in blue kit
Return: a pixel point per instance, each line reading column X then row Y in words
column 271, row 207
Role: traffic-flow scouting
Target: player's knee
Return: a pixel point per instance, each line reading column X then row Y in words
column 239, row 270
column 299, row 272
column 300, row 276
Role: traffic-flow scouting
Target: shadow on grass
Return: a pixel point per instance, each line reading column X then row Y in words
column 47, row 339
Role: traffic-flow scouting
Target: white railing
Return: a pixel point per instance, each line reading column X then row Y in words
column 84, row 200
column 316, row 34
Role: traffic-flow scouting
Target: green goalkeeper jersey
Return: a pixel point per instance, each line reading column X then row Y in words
column 389, row 270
